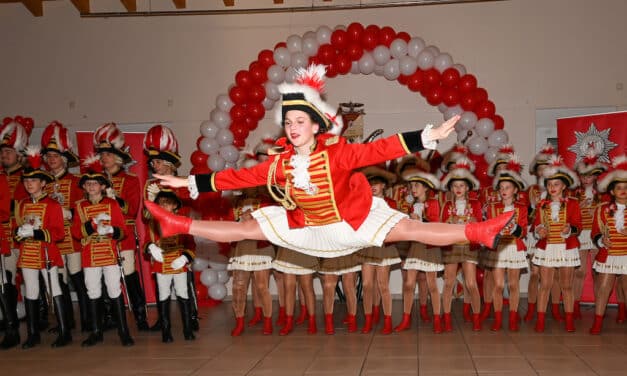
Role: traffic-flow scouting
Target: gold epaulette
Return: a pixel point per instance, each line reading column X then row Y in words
column 332, row 140
column 276, row 150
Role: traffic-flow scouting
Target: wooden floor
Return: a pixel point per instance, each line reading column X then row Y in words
column 414, row 352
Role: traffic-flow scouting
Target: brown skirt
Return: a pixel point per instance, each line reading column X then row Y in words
column 421, row 252
column 459, row 253
column 292, row 262
column 339, row 265
column 381, row 256
column 249, row 248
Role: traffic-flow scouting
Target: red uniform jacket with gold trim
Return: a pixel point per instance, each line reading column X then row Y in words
column 520, row 218
column 604, row 223
column 33, row 250
column 173, row 247
column 472, row 212
column 342, row 193
column 98, row 250
column 14, row 193
column 587, row 206
column 570, row 213
column 431, row 211
column 66, row 192
column 182, row 193
column 127, row 191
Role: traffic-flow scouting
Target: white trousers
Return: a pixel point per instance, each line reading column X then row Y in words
column 164, row 282
column 9, row 264
column 72, row 264
column 31, row 280
column 93, row 278
column 128, row 261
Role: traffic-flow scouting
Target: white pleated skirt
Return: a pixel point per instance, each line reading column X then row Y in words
column 332, row 240
column 585, row 241
column 613, row 265
column 556, row 256
column 250, row 263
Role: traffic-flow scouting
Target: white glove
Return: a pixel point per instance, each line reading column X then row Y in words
column 102, row 217
column 105, row 230
column 156, row 252
column 179, row 262
column 67, row 214
column 153, row 190
column 25, row 231
column 36, row 223
column 110, row 193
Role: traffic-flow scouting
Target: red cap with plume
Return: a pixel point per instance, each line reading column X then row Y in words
column 56, row 138
column 92, row 170
column 33, row 155
column 160, row 143
column 618, row 174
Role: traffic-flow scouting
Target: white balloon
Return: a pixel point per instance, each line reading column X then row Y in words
column 224, row 103
column 460, row 68
column 425, row 59
column 290, row 75
column 208, row 145
column 408, row 65
column 224, row 137
column 452, row 111
column 323, row 35
column 229, row 153
column 467, row 120
column 381, row 55
column 490, row 154
column 462, row 134
column 272, row 90
column 366, row 63
column 355, row 67
column 282, row 57
column 299, row 60
column 477, row 145
column 378, row 70
column 433, row 49
column 220, row 118
column 442, row 108
column 443, row 62
column 398, row 48
column 415, row 46
column 310, row 45
column 216, row 162
column 294, row 43
column 276, row 74
column 217, row 291
column 340, row 27
column 223, row 276
column 208, row 129
column 208, row 277
column 391, row 70
column 484, row 127
column 268, row 103
column 309, row 34
column 498, row 138
column 200, row 264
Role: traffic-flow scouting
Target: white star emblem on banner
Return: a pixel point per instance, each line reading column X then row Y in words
column 593, row 140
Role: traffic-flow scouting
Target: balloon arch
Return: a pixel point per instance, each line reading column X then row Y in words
column 359, row 50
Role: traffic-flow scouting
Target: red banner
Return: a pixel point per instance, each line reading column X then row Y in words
column 135, row 141
column 605, row 133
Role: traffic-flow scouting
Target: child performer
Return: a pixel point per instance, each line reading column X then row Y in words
column 610, row 234
column 330, row 270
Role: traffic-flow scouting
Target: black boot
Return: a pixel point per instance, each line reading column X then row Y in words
column 120, row 315
column 8, row 303
column 108, row 316
column 166, row 324
column 63, row 321
column 78, row 281
column 43, row 322
column 69, row 306
column 138, row 300
column 32, row 323
column 96, row 313
column 156, row 327
column 186, row 316
column 191, row 289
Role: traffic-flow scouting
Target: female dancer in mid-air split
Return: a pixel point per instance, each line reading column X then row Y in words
column 327, row 208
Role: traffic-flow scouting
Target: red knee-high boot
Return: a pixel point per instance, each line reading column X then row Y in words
column 539, row 328
column 288, row 327
column 448, row 324
column 328, row 324
column 376, row 314
column 570, row 322
column 239, row 327
column 597, row 325
column 312, row 328
column 531, row 310
column 513, row 321
column 476, row 322
column 424, row 314
column 437, row 324
column 620, row 317
column 488, row 232
column 351, row 323
column 368, row 324
column 280, row 321
column 485, row 312
column 267, row 325
column 257, row 317
column 302, row 316
column 498, row 321
column 387, row 324
column 170, row 224
column 405, row 323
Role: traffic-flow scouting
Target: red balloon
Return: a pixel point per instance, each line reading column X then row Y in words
column 256, row 110
column 199, row 170
column 326, row 54
column 28, row 123
column 432, row 77
column 450, row 77
column 239, row 129
column 402, row 79
column 278, row 45
column 404, row 36
column 499, row 122
column 339, row 39
column 198, row 158
column 266, row 58
column 258, row 72
column 243, row 79
column 467, row 83
column 251, row 123
column 386, row 36
column 256, row 94
column 239, row 142
column 450, row 96
column 7, row 120
column 468, row 102
column 238, row 95
column 315, row 60
column 354, row 51
column 18, row 119
column 435, row 95
column 343, row 64
column 370, row 38
column 238, row 112
column 481, row 95
column 354, row 31
column 332, row 70
column 198, row 142
column 416, row 81
column 485, row 109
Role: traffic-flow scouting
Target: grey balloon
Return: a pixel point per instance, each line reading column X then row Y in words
column 268, row 103
column 498, row 138
column 208, row 145
column 442, row 62
column 229, row 153
column 215, row 162
column 208, row 129
column 366, row 63
column 415, row 46
column 310, row 46
column 290, row 75
column 272, row 90
column 299, row 60
column 282, row 57
column 381, row 55
column 323, row 34
column 425, row 59
column 276, row 74
column 309, row 34
column 398, row 48
column 468, row 120
column 294, row 43
column 224, row 103
column 408, row 65
column 460, row 68
column 220, row 118
column 452, row 111
column 391, row 70
column 224, row 137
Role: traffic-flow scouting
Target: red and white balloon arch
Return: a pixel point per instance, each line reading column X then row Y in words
column 356, row 49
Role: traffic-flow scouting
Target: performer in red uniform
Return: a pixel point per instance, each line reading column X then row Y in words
column 37, row 229
column 609, row 232
column 13, row 140
column 556, row 226
column 171, row 258
column 328, row 209
column 56, row 148
column 125, row 189
column 99, row 224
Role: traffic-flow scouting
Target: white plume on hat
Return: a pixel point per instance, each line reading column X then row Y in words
column 617, row 174
column 557, row 170
column 461, row 170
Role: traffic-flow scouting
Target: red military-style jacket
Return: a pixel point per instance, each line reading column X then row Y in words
column 98, row 250
column 520, row 218
column 569, row 213
column 342, row 193
column 66, row 191
column 431, row 211
column 16, row 192
column 33, row 251
column 127, row 191
column 604, row 223
column 472, row 213
column 182, row 193
column 173, row 247
column 587, row 206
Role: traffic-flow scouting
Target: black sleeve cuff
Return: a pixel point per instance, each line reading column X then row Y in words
column 206, row 182
column 574, row 230
column 117, row 233
column 412, row 141
column 88, row 228
column 597, row 240
column 122, row 204
column 518, row 232
column 39, row 235
column 188, row 257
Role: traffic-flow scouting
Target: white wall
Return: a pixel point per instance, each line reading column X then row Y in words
column 528, row 54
